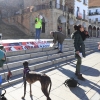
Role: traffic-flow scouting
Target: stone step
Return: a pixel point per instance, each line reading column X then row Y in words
column 33, row 55
column 57, row 63
column 42, row 62
column 18, row 60
column 19, row 64
column 19, row 78
column 39, row 58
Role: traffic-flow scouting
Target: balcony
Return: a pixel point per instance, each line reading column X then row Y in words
column 56, row 6
column 94, row 13
column 79, row 15
column 42, row 6
column 92, row 21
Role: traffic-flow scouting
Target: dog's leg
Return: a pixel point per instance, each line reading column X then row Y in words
column 44, row 88
column 30, row 90
column 24, row 89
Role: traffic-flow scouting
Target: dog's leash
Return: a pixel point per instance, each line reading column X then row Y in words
column 9, row 76
column 9, row 72
column 9, row 82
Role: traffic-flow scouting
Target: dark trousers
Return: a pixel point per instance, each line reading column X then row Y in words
column 38, row 31
column 78, row 64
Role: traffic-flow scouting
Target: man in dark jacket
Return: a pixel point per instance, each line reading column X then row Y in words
column 79, row 48
column 58, row 37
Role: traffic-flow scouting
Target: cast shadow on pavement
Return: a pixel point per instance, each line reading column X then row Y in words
column 31, row 98
column 78, row 91
column 91, row 71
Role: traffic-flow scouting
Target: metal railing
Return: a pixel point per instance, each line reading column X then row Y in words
column 42, row 6
column 94, row 13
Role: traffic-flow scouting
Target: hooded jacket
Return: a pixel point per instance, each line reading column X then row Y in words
column 78, row 42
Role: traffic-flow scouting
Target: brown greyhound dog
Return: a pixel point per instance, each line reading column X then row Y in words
column 32, row 76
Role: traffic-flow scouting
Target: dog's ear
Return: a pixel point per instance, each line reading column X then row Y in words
column 25, row 63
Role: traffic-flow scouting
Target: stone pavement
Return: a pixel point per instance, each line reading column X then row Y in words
column 88, row 90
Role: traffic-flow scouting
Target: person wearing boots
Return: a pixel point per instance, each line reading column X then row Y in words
column 79, row 48
column 58, row 37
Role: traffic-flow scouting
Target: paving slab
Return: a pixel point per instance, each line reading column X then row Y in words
column 88, row 90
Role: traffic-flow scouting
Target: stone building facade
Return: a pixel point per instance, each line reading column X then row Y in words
column 54, row 15
column 94, row 16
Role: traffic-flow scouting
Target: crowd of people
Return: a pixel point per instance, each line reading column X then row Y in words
column 79, row 36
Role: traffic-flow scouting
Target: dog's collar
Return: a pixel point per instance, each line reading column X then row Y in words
column 26, row 70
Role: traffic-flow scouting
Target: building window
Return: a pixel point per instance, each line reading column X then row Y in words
column 89, row 12
column 77, row 11
column 83, row 14
column 85, row 2
column 96, row 12
column 96, row 19
column 58, row 4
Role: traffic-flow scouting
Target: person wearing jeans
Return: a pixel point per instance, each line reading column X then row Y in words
column 60, row 46
column 38, row 31
column 38, row 26
column 58, row 37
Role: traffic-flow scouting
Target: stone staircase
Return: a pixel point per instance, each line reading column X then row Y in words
column 12, row 32
column 41, row 59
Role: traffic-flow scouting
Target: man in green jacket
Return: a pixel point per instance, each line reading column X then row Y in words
column 2, row 56
column 38, row 26
column 58, row 37
column 79, row 49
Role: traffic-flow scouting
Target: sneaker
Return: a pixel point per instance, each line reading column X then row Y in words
column 80, row 77
column 60, row 52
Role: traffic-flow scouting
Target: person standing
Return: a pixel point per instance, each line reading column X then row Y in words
column 2, row 56
column 79, row 48
column 58, row 37
column 38, row 26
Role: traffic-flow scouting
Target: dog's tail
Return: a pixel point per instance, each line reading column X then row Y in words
column 50, row 86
